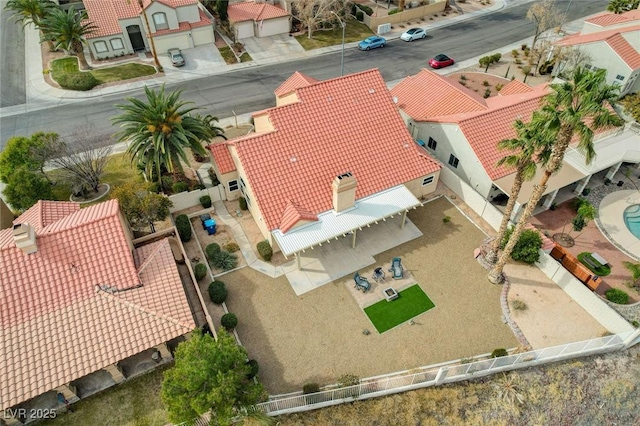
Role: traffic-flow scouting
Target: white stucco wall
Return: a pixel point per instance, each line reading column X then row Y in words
column 172, row 16
column 166, row 42
column 243, row 29
column 203, row 35
column 188, row 13
column 111, row 52
column 602, row 56
column 271, row 27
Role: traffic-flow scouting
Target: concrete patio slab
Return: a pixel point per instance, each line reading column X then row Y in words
column 612, row 222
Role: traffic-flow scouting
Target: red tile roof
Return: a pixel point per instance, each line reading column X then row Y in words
column 606, row 19
column 444, row 96
column 296, row 81
column 222, row 157
column 292, row 214
column 251, row 11
column 614, row 38
column 344, row 124
column 82, row 301
column 515, row 86
column 627, row 53
column 44, row 213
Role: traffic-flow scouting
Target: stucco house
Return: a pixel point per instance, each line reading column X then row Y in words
column 332, row 157
column 611, row 42
column 251, row 19
column 462, row 130
column 122, row 28
column 81, row 305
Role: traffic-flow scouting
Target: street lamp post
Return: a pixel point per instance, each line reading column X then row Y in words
column 344, row 26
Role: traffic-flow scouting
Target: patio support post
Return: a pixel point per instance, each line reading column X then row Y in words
column 115, row 372
column 612, row 171
column 353, row 239
column 298, row 260
column 69, row 392
column 442, row 374
column 550, row 199
column 165, row 353
column 582, row 185
column 404, row 219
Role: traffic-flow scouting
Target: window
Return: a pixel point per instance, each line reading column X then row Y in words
column 432, row 143
column 427, row 180
column 160, row 21
column 620, row 77
column 116, row 43
column 453, row 161
column 100, row 46
column 233, row 185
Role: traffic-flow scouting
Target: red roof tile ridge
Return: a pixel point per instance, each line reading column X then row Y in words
column 574, row 39
column 84, row 217
column 606, row 18
column 293, row 213
column 151, row 255
column 294, row 82
column 625, row 50
column 515, row 86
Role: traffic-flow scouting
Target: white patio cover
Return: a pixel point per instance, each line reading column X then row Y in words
column 330, row 224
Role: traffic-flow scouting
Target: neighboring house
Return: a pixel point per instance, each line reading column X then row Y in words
column 122, row 28
column 6, row 217
column 332, row 157
column 251, row 19
column 463, row 130
column 82, row 307
column 611, row 42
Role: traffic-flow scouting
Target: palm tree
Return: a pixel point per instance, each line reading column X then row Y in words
column 574, row 108
column 159, row 130
column 526, row 149
column 68, row 30
column 211, row 121
column 33, row 12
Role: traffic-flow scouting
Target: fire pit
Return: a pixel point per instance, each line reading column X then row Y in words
column 390, row 294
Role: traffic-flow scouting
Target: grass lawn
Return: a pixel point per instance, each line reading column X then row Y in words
column 135, row 402
column 230, row 58
column 103, row 75
column 410, row 303
column 355, row 31
column 601, row 271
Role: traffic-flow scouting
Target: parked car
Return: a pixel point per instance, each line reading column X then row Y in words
column 372, row 42
column 176, row 57
column 413, row 34
column 440, row 61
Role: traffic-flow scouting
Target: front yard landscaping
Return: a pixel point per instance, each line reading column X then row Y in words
column 355, row 31
column 60, row 68
column 388, row 314
column 230, row 58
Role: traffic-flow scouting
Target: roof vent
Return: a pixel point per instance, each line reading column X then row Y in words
column 25, row 237
column 395, row 99
column 293, row 159
column 372, row 91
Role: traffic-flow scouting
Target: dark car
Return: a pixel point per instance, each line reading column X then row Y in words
column 440, row 61
column 176, row 57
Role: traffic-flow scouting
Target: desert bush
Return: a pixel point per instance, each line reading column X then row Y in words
column 499, row 87
column 523, row 47
column 200, row 271
column 179, row 187
column 184, row 227
column 485, row 83
column 217, row 292
column 242, row 203
column 446, row 219
column 518, row 61
column 348, row 380
column 526, row 249
column 232, row 247
column 394, row 11
column 631, row 105
column 487, row 93
column 229, row 321
column 617, row 296
column 515, row 53
column 310, row 388
column 463, row 77
column 225, row 260
column 497, row 353
column 264, row 250
column 253, row 368
column 205, row 201
column 518, row 305
column 211, row 250
column 77, row 81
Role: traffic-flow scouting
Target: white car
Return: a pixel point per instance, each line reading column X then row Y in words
column 413, row 34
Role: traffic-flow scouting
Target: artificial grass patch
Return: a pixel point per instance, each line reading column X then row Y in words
column 587, row 260
column 60, row 68
column 410, row 303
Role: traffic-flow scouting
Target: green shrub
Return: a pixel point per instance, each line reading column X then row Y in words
column 217, row 292
column 485, row 83
column 211, row 250
column 497, row 353
column 232, row 247
column 631, row 105
column 635, row 323
column 348, row 380
column 243, row 203
column 184, row 227
column 154, row 187
column 214, row 177
column 499, row 87
column 446, row 219
column 617, row 296
column 360, row 16
column 264, row 250
column 393, row 12
column 495, row 58
column 200, row 271
column 167, row 182
column 366, row 9
column 77, row 81
column 179, row 187
column 310, row 388
column 487, row 93
column 205, row 201
column 463, row 77
column 229, row 321
column 253, row 368
column 526, row 249
column 515, row 53
column 225, row 260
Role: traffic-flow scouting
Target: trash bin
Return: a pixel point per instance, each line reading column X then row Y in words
column 210, row 226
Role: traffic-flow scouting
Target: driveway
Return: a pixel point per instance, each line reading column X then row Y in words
column 199, row 60
column 272, row 49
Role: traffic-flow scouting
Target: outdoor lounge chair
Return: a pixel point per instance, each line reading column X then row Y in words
column 378, row 275
column 396, row 268
column 361, row 283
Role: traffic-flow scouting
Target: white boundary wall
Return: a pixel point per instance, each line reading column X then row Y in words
column 185, row 200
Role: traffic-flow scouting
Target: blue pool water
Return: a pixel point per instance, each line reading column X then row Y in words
column 632, row 219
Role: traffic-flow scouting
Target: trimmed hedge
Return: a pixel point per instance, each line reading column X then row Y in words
column 200, row 271
column 360, row 16
column 179, row 187
column 243, row 203
column 366, row 9
column 310, row 388
column 527, row 248
column 217, row 292
column 184, row 227
column 82, row 81
column 212, row 250
column 497, row 353
column 264, row 250
column 205, row 201
column 229, row 321
column 617, row 296
column 253, row 368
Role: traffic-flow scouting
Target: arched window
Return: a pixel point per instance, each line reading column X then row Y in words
column 160, row 21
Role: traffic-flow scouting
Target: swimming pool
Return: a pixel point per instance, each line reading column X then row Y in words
column 632, row 219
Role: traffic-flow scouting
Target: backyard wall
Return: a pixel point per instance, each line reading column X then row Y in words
column 409, row 14
column 185, row 200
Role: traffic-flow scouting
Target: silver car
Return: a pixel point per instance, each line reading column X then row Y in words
column 176, row 57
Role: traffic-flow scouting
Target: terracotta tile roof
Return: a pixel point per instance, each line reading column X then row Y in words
column 251, row 11
column 61, row 318
column 616, row 39
column 222, row 157
column 609, row 18
column 574, row 39
column 515, row 86
column 44, row 213
column 292, row 214
column 444, row 96
column 296, row 81
column 627, row 53
column 186, row 26
column 344, row 124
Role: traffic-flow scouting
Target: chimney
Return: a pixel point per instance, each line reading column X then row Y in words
column 25, row 237
column 344, row 192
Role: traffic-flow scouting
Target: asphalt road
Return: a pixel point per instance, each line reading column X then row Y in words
column 12, row 78
column 251, row 89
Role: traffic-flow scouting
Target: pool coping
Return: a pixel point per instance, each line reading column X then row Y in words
column 611, row 222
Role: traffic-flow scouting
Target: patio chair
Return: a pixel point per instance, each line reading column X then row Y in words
column 378, row 275
column 361, row 283
column 396, row 269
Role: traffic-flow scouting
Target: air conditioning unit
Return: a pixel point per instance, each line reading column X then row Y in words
column 384, row 28
column 415, row 3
